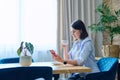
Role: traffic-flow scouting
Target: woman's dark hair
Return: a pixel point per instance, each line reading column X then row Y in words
column 79, row 25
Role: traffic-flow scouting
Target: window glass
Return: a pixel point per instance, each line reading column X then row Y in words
column 34, row 21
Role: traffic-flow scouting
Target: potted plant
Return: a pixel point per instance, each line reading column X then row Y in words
column 25, row 51
column 108, row 23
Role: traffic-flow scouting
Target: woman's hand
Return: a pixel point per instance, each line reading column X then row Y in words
column 64, row 46
column 57, row 58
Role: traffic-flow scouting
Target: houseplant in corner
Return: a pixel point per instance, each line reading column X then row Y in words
column 25, row 51
column 108, row 23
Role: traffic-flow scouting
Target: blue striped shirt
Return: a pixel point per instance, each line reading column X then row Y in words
column 83, row 51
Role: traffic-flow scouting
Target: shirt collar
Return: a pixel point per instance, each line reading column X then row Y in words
column 77, row 41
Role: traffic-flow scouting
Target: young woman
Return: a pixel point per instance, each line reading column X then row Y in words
column 82, row 52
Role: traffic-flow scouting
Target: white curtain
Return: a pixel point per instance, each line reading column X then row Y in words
column 33, row 21
column 70, row 10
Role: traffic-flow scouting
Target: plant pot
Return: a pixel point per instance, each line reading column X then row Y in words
column 25, row 60
column 111, row 51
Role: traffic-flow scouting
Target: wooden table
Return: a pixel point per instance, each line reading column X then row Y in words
column 57, row 68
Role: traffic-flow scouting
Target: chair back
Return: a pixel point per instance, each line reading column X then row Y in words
column 107, row 63
column 26, row 73
column 108, row 67
column 10, row 60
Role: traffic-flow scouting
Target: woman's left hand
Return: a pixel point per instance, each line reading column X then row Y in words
column 57, row 58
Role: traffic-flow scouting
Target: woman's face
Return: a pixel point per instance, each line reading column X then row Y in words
column 75, row 34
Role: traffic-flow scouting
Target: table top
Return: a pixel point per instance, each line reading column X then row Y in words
column 58, row 68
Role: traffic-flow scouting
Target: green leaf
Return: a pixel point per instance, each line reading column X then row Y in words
column 117, row 13
column 103, row 9
column 108, row 21
column 20, row 48
column 18, row 52
column 108, row 18
column 30, row 47
column 116, row 30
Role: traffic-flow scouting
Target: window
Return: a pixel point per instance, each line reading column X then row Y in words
column 34, row 21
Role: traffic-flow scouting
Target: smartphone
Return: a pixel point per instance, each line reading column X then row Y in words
column 53, row 53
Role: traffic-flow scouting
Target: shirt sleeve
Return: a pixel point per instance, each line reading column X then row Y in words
column 70, row 52
column 84, row 52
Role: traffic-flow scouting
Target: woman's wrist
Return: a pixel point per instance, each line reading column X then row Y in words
column 61, row 60
column 65, row 62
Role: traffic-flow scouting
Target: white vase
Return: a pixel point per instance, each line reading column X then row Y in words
column 25, row 60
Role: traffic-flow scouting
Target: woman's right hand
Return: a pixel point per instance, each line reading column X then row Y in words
column 64, row 46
